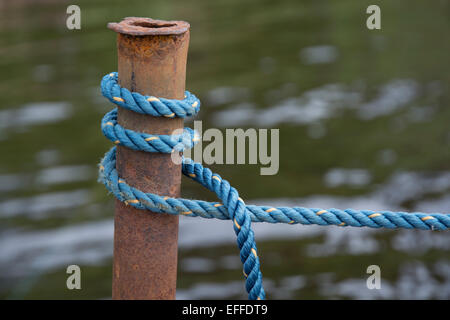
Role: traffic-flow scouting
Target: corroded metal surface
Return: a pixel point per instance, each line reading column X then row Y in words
column 135, row 26
column 152, row 62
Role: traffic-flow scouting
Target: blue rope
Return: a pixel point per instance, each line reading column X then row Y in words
column 157, row 107
column 231, row 206
column 144, row 141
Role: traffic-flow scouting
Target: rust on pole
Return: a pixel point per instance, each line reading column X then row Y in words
column 152, row 57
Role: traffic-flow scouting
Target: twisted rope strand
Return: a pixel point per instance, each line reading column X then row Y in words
column 231, row 207
column 144, row 141
column 295, row 215
column 157, row 107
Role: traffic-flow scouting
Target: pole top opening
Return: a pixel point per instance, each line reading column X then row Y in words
column 136, row 26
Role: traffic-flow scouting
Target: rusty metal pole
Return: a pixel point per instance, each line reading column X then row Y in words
column 152, row 58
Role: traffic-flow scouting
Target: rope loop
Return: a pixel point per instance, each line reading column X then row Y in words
column 157, row 107
column 144, row 141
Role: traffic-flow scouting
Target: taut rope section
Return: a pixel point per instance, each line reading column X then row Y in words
column 231, row 207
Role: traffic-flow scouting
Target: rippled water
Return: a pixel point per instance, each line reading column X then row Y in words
column 363, row 118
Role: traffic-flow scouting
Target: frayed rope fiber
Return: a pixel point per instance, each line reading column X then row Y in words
column 231, row 206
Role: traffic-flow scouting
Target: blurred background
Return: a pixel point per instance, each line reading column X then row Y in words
column 364, row 124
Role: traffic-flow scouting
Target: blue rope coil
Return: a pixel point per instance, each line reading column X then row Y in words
column 144, row 141
column 157, row 107
column 231, row 206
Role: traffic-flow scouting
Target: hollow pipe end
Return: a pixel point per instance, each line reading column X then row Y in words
column 137, row 26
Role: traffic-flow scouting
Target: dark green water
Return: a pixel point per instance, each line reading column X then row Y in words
column 364, row 123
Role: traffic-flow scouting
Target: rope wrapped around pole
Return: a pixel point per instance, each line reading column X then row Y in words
column 231, row 206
